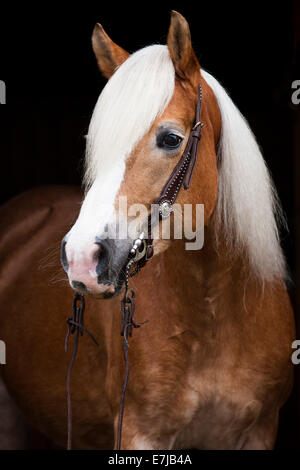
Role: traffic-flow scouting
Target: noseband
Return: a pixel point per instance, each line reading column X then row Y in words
column 140, row 253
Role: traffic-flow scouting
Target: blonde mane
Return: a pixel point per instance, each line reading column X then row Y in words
column 248, row 208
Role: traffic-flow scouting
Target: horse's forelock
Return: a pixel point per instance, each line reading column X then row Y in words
column 136, row 94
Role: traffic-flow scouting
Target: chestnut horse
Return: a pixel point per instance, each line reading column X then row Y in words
column 212, row 367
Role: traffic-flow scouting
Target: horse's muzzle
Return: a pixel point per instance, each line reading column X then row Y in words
column 96, row 270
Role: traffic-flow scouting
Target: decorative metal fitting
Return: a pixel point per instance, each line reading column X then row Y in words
column 136, row 251
column 165, row 209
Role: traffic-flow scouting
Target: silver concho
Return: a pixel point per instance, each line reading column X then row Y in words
column 165, row 209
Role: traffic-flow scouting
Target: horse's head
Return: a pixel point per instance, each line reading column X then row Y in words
column 137, row 134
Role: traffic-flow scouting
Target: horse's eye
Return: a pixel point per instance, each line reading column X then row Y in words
column 169, row 141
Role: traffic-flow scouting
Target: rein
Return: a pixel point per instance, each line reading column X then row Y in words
column 76, row 327
column 140, row 253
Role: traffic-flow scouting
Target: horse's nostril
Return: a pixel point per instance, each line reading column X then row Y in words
column 98, row 252
column 103, row 257
column 63, row 255
column 79, row 286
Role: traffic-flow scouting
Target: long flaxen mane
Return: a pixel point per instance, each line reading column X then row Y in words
column 247, row 209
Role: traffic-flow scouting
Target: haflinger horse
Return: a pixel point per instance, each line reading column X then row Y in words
column 212, row 366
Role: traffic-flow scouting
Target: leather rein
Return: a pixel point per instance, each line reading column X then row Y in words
column 140, row 253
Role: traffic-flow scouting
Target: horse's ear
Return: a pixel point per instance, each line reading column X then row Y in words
column 180, row 47
column 109, row 56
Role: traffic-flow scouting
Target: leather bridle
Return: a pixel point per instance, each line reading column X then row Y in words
column 142, row 249
column 139, row 255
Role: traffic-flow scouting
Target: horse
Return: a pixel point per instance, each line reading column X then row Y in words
column 211, row 368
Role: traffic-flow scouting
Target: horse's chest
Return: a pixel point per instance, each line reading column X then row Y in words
column 203, row 407
column 219, row 418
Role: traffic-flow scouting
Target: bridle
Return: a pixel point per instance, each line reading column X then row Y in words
column 140, row 253
column 142, row 249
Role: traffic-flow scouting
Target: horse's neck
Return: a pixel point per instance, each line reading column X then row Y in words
column 209, row 279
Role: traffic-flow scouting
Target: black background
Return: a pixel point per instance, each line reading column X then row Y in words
column 53, row 83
